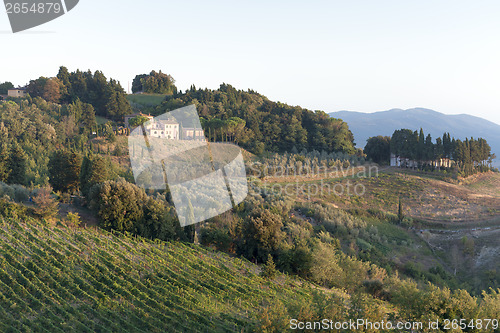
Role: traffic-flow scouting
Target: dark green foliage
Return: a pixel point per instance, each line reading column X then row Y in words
column 217, row 237
column 470, row 156
column 4, row 87
column 137, row 84
column 158, row 221
column 154, row 83
column 268, row 126
column 124, row 207
column 17, row 165
column 64, row 171
column 118, row 204
column 107, row 97
column 88, row 120
column 94, row 170
column 260, row 234
column 378, row 149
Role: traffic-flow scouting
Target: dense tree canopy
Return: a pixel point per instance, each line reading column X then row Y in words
column 64, row 170
column 154, row 83
column 4, row 87
column 469, row 155
column 259, row 125
column 106, row 97
column 378, row 149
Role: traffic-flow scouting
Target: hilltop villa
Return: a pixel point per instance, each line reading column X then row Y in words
column 16, row 92
column 168, row 129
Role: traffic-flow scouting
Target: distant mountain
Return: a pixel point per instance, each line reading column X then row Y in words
column 366, row 125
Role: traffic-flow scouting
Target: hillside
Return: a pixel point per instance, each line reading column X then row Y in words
column 448, row 223
column 366, row 125
column 88, row 280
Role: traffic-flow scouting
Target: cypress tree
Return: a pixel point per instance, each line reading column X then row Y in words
column 400, row 211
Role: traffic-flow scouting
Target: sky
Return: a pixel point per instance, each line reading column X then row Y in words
column 353, row 55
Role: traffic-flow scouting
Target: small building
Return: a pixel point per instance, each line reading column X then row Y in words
column 17, row 92
column 403, row 162
column 191, row 133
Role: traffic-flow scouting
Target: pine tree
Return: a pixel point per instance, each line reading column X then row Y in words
column 269, row 269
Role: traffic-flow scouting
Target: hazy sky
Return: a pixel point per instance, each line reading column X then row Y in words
column 327, row 55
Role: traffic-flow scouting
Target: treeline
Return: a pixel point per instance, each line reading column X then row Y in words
column 154, row 83
column 119, row 204
column 268, row 126
column 32, row 129
column 468, row 155
column 106, row 96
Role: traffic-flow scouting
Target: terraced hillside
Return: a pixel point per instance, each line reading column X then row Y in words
column 88, row 280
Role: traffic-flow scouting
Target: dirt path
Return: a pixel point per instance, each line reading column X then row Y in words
column 86, row 216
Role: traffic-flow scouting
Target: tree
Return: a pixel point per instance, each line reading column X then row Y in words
column 36, row 87
column 439, row 149
column 400, row 211
column 269, row 269
column 137, row 121
column 88, row 120
column 261, row 234
column 154, row 83
column 378, row 149
column 119, row 204
column 64, row 170
column 94, row 170
column 17, row 164
column 73, row 219
column 117, row 105
column 52, row 90
column 4, row 87
column 66, row 88
column 45, row 204
column 428, row 149
column 421, row 145
column 158, row 221
column 137, row 84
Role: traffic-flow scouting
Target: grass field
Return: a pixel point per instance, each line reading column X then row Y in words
column 423, row 196
column 146, row 99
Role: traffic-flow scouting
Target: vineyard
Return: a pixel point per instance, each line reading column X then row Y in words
column 57, row 279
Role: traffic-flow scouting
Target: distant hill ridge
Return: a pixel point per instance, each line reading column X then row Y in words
column 366, row 125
